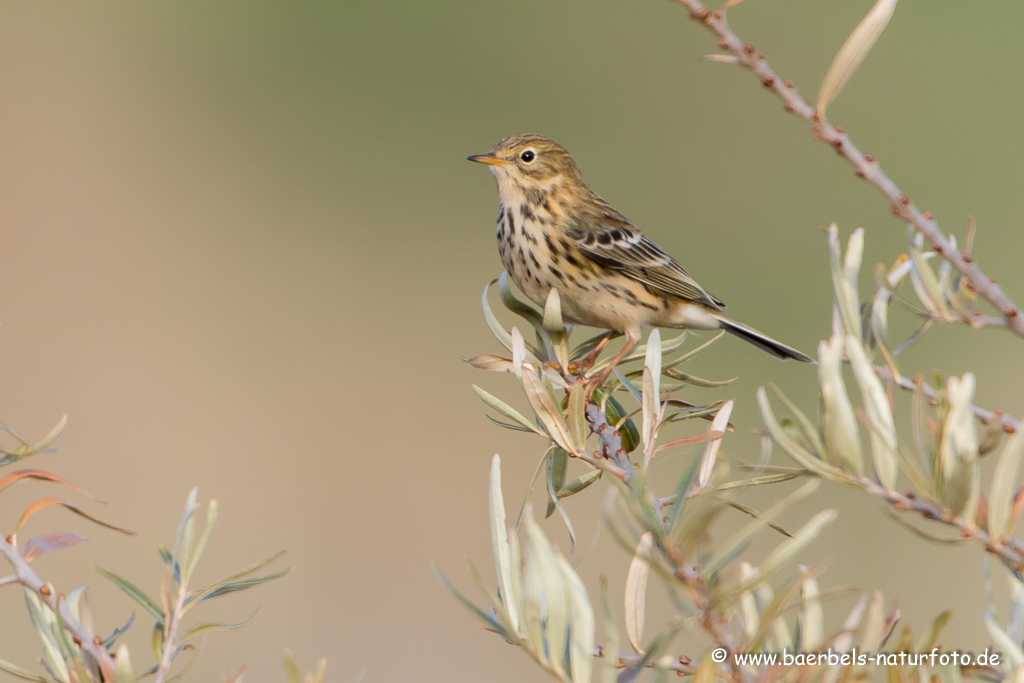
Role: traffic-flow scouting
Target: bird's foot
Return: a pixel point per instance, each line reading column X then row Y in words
column 595, row 382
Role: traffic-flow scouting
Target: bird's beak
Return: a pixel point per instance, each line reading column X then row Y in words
column 488, row 159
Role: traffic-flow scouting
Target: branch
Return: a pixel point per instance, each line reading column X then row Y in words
column 1007, row 550
column 864, row 165
column 27, row 577
column 171, row 635
column 611, row 443
column 683, row 666
column 1010, row 425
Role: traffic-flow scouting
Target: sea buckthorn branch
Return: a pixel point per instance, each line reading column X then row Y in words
column 865, row 167
column 27, row 577
column 1009, row 424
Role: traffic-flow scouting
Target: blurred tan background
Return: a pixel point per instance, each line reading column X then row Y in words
column 242, row 249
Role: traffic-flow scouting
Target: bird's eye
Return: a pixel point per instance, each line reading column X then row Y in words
column 528, row 156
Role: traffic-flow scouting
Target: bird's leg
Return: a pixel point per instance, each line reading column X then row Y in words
column 588, row 361
column 594, row 382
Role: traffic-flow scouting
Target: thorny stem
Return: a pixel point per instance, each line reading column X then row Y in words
column 865, row 166
column 26, row 576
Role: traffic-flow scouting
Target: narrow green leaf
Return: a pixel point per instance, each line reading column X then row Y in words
column 812, row 617
column 23, row 674
column 220, row 589
column 651, row 389
column 787, row 551
column 507, row 410
column 611, row 634
column 806, row 459
column 853, row 52
column 579, row 483
column 841, row 431
column 810, row 429
column 1004, row 483
column 549, row 414
column 1001, row 639
column 698, row 381
column 847, row 299
column 558, row 465
column 629, row 385
column 742, row 540
column 874, row 625
column 879, row 414
column 219, row 626
column 291, row 669
column 203, row 593
column 123, row 667
column 506, row 425
column 654, row 650
column 719, row 424
column 211, row 522
column 576, row 416
column 468, row 604
column 545, row 593
column 529, row 490
column 636, row 592
column 500, row 333
column 112, row 638
column 527, row 312
column 959, row 475
column 183, row 545
column 499, row 545
column 765, row 479
column 555, row 502
column 28, row 449
column 926, row 285
column 45, row 623
column 553, row 312
column 581, row 647
column 497, row 610
column 682, row 494
column 134, row 593
column 930, row 638
column 692, row 353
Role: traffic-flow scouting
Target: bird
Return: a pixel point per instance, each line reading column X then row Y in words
column 554, row 232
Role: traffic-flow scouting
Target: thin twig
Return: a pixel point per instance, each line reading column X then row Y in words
column 865, row 166
column 27, row 577
column 1006, row 551
column 682, row 666
column 1010, row 425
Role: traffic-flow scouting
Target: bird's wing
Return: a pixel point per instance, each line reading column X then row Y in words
column 631, row 252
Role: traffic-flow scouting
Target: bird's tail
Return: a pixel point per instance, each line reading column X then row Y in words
column 761, row 340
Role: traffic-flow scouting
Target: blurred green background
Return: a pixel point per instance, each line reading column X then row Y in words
column 242, row 249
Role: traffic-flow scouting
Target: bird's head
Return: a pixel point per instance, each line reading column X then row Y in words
column 525, row 162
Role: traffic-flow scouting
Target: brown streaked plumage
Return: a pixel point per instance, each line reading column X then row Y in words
column 555, row 232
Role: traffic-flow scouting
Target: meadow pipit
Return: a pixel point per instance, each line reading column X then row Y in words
column 555, row 232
